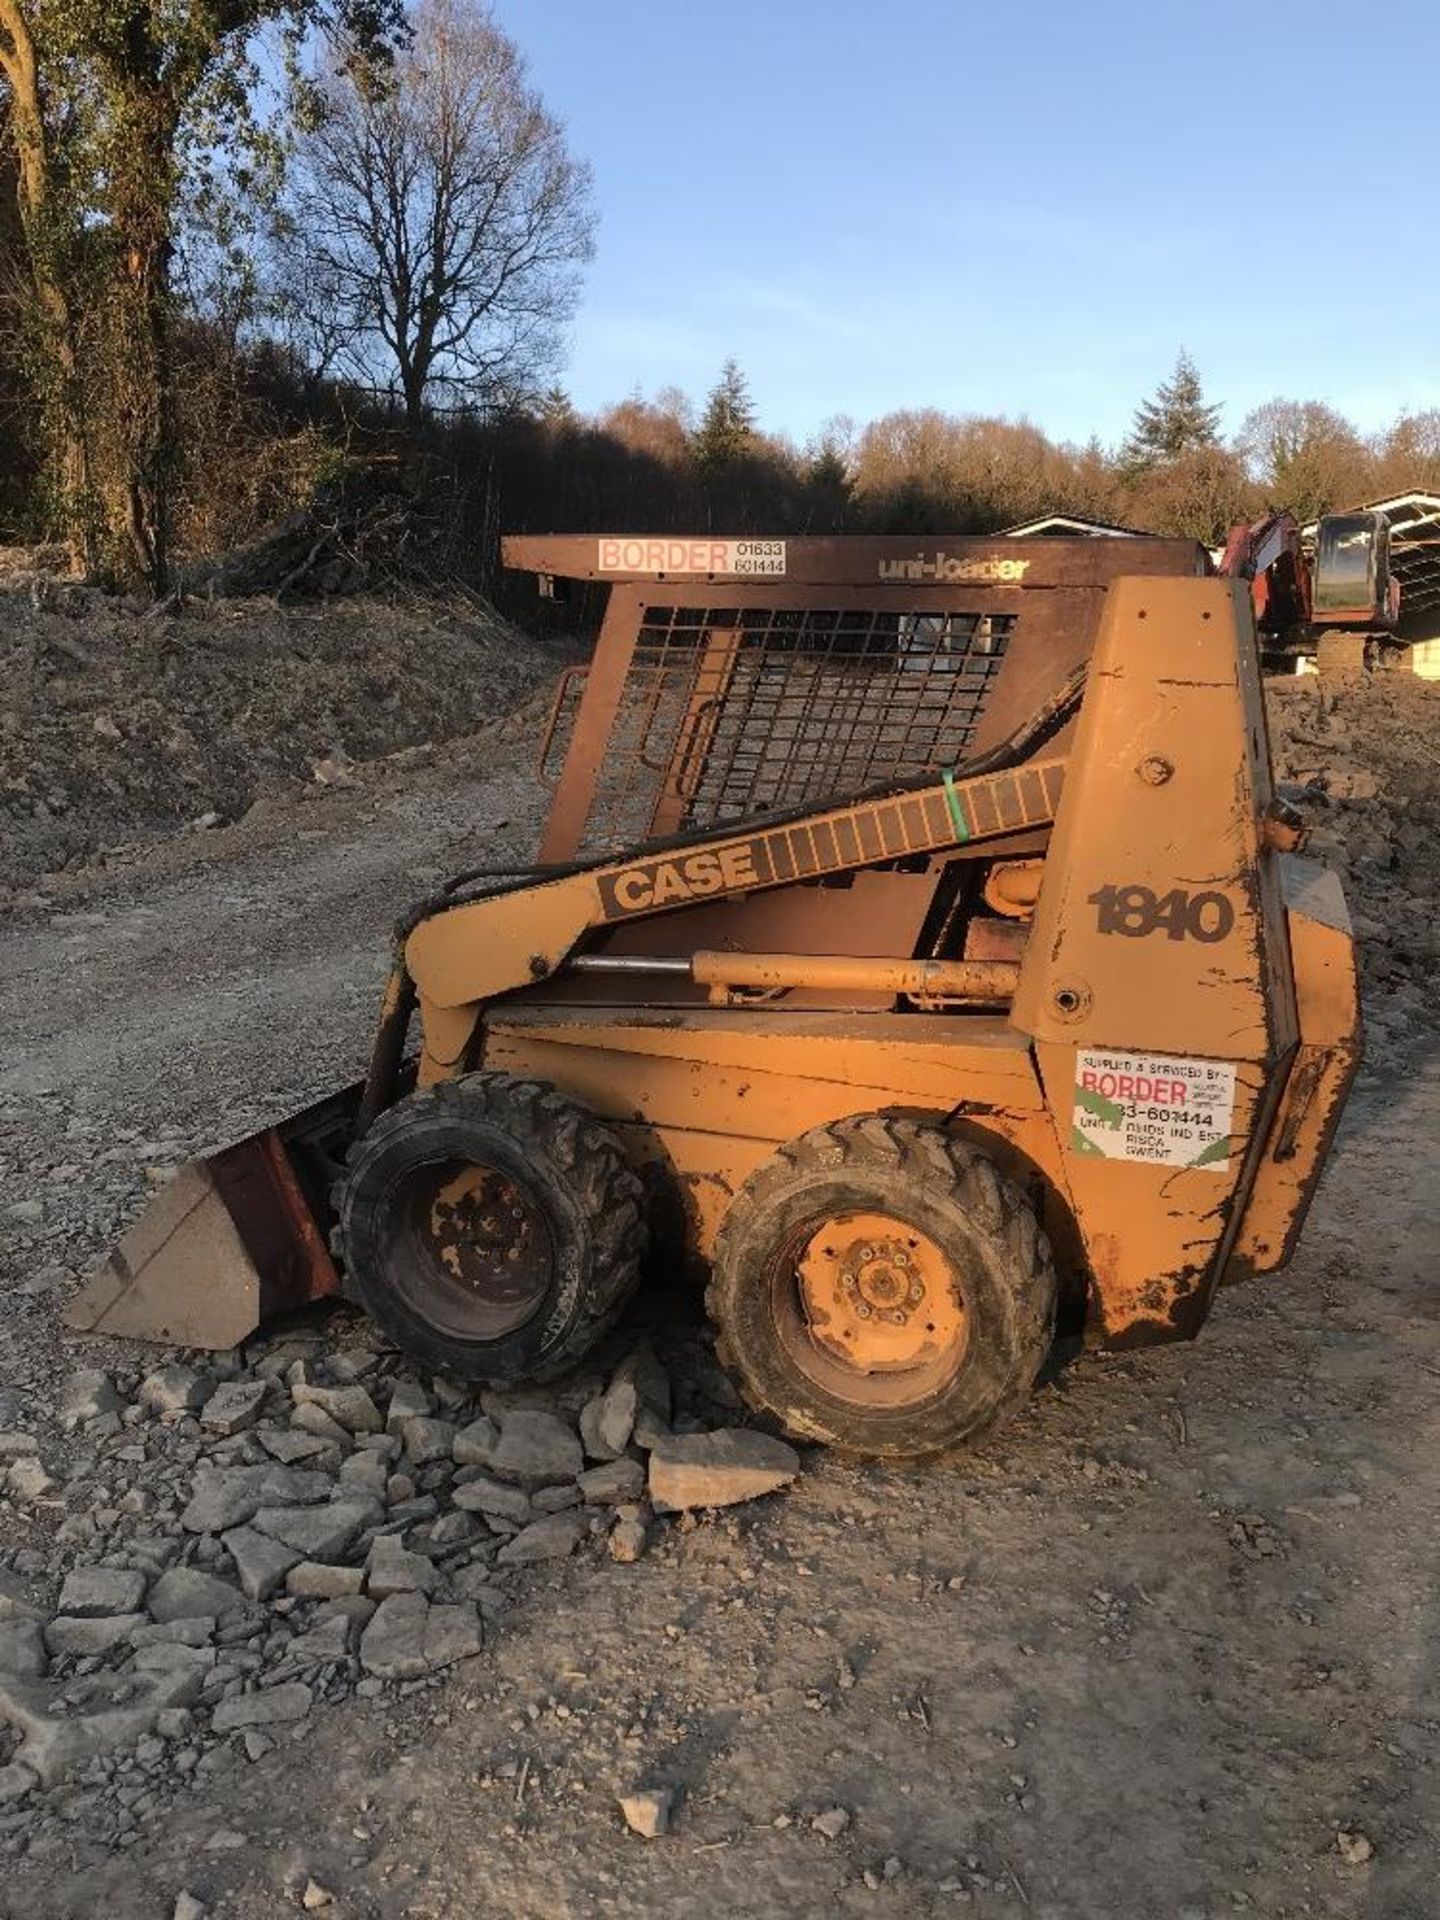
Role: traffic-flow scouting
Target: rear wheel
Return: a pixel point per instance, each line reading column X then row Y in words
column 492, row 1227
column 879, row 1285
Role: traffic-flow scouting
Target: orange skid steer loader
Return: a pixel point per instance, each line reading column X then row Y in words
column 917, row 948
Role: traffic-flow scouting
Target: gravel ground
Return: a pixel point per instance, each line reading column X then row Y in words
column 1164, row 1646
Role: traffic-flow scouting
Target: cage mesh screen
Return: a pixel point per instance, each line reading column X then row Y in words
column 728, row 712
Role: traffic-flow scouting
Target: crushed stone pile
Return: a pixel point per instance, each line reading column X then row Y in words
column 1361, row 759
column 119, row 724
column 225, row 1544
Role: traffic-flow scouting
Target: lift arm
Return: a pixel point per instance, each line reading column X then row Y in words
column 461, row 957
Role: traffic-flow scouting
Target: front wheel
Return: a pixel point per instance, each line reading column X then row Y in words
column 492, row 1227
column 878, row 1284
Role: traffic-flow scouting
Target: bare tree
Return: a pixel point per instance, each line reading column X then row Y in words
column 1305, row 455
column 441, row 217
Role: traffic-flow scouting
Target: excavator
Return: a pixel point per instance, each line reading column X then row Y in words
column 917, row 954
column 1335, row 600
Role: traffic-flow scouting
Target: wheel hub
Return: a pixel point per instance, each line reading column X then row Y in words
column 482, row 1256
column 878, row 1293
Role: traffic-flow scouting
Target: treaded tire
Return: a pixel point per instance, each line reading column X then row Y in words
column 952, row 1193
column 577, row 1190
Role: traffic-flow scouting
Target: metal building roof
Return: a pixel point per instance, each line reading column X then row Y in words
column 1068, row 524
column 1415, row 549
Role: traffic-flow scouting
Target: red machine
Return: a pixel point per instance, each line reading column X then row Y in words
column 1300, row 595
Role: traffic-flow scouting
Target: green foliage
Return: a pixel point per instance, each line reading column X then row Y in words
column 727, row 426
column 1176, row 421
column 131, row 121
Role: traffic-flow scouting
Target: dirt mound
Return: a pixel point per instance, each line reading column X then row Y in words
column 1360, row 760
column 118, row 725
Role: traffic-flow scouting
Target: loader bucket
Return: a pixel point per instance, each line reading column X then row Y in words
column 232, row 1240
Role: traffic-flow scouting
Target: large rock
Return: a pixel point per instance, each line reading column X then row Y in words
column 193, row 1630
column 615, row 1421
column 316, row 1533
column 648, row 1813
column 172, row 1656
column 173, row 1390
column 475, row 1444
column 186, row 1593
column 234, row 1406
column 408, row 1401
column 15, row 1783
column 349, row 1407
column 272, row 1707
column 408, row 1638
column 612, row 1482
column 392, row 1568
column 261, row 1562
column 452, row 1633
column 86, row 1635
column 54, row 1745
column 328, row 1640
column 554, row 1537
column 428, row 1440
column 368, row 1471
column 627, row 1541
column 452, row 1530
column 718, row 1469
column 229, row 1496
column 484, row 1495
column 535, row 1449
column 22, row 1648
column 313, row 1580
column 221, row 1499
column 285, row 1444
column 590, row 1417
column 651, row 1382
column 90, row 1591
column 29, row 1479
column 315, row 1422
column 556, row 1499
column 86, row 1396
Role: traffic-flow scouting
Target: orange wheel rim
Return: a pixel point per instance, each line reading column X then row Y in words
column 880, row 1295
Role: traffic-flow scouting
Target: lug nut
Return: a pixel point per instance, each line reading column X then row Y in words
column 862, row 1311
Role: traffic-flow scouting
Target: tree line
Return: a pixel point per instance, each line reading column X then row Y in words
column 260, row 256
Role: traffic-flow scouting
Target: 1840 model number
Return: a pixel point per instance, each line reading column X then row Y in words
column 1136, row 911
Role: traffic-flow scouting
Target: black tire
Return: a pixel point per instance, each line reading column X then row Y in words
column 997, row 1268
column 492, row 1227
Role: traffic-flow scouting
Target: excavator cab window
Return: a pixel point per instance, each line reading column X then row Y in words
column 1352, row 569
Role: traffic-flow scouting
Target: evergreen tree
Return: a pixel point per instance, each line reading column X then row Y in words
column 556, row 410
column 728, row 424
column 829, row 484
column 1177, row 421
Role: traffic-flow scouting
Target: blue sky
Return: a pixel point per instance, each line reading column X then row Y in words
column 1021, row 209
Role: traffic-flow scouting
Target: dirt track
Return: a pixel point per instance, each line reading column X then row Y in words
column 1146, row 1653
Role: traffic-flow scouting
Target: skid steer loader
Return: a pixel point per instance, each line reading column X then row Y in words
column 918, row 949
